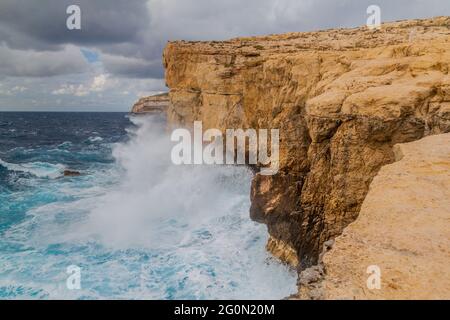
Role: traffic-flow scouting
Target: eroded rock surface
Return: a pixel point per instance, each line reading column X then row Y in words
column 341, row 99
column 152, row 104
column 403, row 229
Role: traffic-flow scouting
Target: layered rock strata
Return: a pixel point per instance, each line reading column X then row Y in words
column 341, row 98
column 152, row 104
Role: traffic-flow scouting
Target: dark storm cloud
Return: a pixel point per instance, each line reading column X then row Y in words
column 130, row 34
column 133, row 67
column 21, row 63
column 29, row 24
column 110, row 25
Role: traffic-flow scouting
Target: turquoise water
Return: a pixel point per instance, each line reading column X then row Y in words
column 136, row 226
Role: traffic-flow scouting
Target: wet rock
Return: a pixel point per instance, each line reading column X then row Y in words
column 71, row 173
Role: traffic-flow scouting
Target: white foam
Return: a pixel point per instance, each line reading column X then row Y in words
column 164, row 232
column 95, row 139
column 37, row 169
column 197, row 214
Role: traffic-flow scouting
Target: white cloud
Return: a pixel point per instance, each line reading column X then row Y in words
column 71, row 89
column 132, row 67
column 19, row 89
column 99, row 82
column 12, row 91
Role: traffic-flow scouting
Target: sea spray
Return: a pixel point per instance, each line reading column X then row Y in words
column 154, row 192
column 139, row 228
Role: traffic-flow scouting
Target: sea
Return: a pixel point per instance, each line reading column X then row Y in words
column 131, row 225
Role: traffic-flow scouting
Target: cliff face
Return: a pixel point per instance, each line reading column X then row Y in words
column 341, row 99
column 403, row 228
column 152, row 104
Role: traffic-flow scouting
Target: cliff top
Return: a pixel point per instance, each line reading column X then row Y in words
column 332, row 39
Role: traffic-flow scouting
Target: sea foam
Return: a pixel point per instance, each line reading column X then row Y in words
column 38, row 169
column 145, row 229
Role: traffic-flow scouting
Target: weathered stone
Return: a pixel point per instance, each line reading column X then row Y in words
column 152, row 104
column 341, row 99
column 403, row 228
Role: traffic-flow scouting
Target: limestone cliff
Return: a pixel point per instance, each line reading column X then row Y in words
column 403, row 228
column 341, row 99
column 152, row 104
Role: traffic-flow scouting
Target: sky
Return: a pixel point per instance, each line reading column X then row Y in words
column 115, row 57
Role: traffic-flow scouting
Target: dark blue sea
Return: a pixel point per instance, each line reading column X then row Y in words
column 131, row 225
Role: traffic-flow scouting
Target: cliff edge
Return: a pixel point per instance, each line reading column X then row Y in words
column 403, row 229
column 152, row 104
column 341, row 98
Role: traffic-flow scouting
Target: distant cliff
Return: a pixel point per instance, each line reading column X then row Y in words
column 341, row 99
column 152, row 104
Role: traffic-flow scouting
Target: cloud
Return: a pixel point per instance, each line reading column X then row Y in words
column 12, row 91
column 28, row 63
column 133, row 67
column 41, row 25
column 132, row 34
column 122, row 40
column 70, row 89
column 98, row 84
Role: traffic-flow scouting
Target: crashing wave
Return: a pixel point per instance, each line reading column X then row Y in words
column 37, row 169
